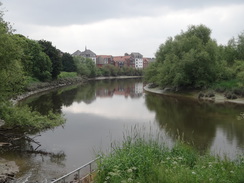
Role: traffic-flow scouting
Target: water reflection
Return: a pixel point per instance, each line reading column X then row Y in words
column 53, row 101
column 98, row 112
column 204, row 125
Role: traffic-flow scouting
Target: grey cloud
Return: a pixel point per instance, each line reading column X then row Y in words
column 67, row 12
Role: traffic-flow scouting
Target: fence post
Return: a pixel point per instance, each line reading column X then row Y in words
column 79, row 176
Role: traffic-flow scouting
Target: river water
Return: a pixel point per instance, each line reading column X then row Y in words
column 101, row 112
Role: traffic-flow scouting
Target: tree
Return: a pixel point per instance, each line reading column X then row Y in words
column 240, row 46
column 68, row 63
column 35, row 62
column 81, row 66
column 11, row 75
column 187, row 60
column 54, row 55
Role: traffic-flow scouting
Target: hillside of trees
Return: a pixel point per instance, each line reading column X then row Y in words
column 194, row 60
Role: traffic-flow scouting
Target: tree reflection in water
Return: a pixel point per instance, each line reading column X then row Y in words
column 196, row 122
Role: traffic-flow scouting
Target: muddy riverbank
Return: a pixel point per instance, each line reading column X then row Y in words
column 195, row 95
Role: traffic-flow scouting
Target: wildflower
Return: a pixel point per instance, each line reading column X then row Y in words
column 133, row 168
column 210, row 179
column 168, row 158
column 231, row 171
column 203, row 167
column 194, row 173
column 107, row 178
column 123, row 181
column 180, row 158
column 129, row 170
column 130, row 179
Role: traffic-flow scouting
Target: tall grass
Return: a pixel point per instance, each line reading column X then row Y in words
column 63, row 75
column 142, row 160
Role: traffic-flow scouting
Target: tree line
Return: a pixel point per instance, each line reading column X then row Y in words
column 192, row 59
column 23, row 60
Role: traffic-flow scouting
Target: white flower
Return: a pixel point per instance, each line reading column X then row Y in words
column 129, row 170
column 210, row 179
column 231, row 171
column 194, row 173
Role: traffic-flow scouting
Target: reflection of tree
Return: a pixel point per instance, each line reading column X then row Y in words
column 182, row 118
column 45, row 103
column 196, row 122
column 86, row 93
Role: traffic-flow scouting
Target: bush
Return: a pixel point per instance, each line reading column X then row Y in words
column 28, row 121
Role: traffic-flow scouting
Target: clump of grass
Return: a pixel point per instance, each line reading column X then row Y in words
column 139, row 159
column 223, row 86
column 64, row 75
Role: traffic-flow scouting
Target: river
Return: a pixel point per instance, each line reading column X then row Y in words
column 101, row 112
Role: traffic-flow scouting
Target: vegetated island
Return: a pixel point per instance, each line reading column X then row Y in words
column 193, row 65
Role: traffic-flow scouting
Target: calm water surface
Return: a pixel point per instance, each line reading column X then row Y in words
column 101, row 112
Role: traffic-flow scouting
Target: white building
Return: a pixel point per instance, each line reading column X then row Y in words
column 138, row 60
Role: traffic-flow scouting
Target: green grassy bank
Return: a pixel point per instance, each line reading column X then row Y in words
column 138, row 160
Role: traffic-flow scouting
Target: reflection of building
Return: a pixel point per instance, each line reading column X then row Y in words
column 104, row 92
column 133, row 90
column 138, row 88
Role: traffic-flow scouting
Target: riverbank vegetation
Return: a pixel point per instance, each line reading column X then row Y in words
column 192, row 59
column 142, row 159
column 30, row 64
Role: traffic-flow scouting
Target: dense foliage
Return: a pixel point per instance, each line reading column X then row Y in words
column 144, row 159
column 193, row 59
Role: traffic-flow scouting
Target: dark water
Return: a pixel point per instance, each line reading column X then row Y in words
column 101, row 112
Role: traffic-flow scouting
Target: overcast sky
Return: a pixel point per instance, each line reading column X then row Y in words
column 118, row 26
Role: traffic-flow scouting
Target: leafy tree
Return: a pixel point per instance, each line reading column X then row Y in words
column 188, row 60
column 240, row 46
column 151, row 73
column 11, row 75
column 54, row 55
column 91, row 66
column 35, row 62
column 68, row 63
column 81, row 66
